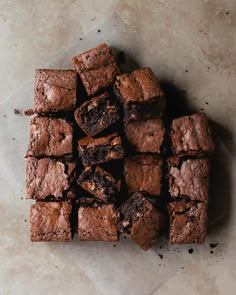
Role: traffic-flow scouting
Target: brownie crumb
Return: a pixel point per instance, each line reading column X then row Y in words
column 212, row 245
column 99, row 31
column 186, row 71
column 227, row 12
column 202, row 109
column 81, row 38
column 28, row 112
column 206, row 102
column 25, row 220
column 114, row 245
column 16, row 112
column 160, row 255
column 182, row 267
column 22, row 198
column 190, row 251
column 121, row 58
column 212, row 252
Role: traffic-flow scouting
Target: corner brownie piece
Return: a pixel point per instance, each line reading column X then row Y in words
column 145, row 136
column 141, row 95
column 97, row 68
column 143, row 173
column 100, row 184
column 50, row 221
column 188, row 222
column 54, row 91
column 97, row 114
column 50, row 137
column 140, row 220
column 97, row 222
column 189, row 178
column 100, row 150
column 191, row 135
column 48, row 178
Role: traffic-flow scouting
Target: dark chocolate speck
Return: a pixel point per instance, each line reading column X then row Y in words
column 190, row 251
column 212, row 245
column 160, row 255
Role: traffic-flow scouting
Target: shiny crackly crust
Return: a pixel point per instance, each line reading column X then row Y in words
column 189, row 178
column 97, row 68
column 49, row 137
column 54, row 91
column 188, row 222
column 191, row 135
column 50, row 221
column 139, row 86
column 145, row 136
column 143, row 173
column 97, row 223
column 47, row 177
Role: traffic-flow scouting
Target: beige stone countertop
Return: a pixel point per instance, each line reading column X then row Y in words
column 191, row 46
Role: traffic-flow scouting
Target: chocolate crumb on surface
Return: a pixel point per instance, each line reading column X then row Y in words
column 160, row 255
column 212, row 252
column 114, row 245
column 212, row 245
column 190, row 251
column 16, row 112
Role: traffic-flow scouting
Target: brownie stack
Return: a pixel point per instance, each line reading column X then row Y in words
column 96, row 158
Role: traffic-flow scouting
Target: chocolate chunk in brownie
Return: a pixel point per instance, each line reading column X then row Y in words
column 97, row 223
column 54, row 91
column 143, row 173
column 97, row 68
column 140, row 220
column 48, row 178
column 188, row 222
column 97, row 114
column 141, row 95
column 191, row 135
column 50, row 221
column 99, row 183
column 189, row 178
column 100, row 150
column 50, row 137
column 145, row 136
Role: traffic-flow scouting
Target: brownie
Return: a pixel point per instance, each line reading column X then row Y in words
column 54, row 91
column 189, row 178
column 141, row 95
column 100, row 150
column 143, row 173
column 50, row 221
column 191, row 135
column 99, row 183
column 145, row 136
column 48, row 178
column 50, row 137
column 97, row 114
column 97, row 223
column 96, row 67
column 188, row 222
column 140, row 220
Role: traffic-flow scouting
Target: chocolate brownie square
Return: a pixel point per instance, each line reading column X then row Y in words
column 100, row 150
column 50, row 137
column 191, row 135
column 145, row 136
column 97, row 223
column 50, row 221
column 143, row 173
column 48, row 178
column 140, row 220
column 99, row 183
column 188, row 222
column 189, row 178
column 54, row 91
column 141, row 95
column 97, row 114
column 97, row 68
